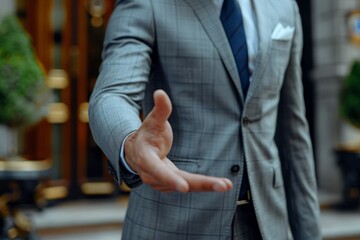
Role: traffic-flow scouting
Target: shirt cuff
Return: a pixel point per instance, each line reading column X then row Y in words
column 122, row 158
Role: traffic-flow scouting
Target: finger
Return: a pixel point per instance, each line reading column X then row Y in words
column 161, row 110
column 162, row 188
column 150, row 180
column 202, row 183
column 162, row 106
column 155, row 129
column 155, row 184
column 163, row 172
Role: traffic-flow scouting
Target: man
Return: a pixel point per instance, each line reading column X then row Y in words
column 224, row 150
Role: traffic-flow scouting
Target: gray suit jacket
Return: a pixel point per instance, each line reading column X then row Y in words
column 180, row 46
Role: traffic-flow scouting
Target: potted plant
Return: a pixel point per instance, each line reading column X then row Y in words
column 348, row 156
column 24, row 96
column 350, row 96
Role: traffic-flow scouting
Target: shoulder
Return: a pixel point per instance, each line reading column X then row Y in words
column 285, row 10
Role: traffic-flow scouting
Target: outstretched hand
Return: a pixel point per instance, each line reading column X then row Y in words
column 147, row 148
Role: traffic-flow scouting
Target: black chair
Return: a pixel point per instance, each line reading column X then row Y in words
column 19, row 187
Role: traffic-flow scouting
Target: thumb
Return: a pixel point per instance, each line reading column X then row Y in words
column 162, row 108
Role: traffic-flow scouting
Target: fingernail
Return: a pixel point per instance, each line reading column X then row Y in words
column 219, row 187
column 229, row 184
column 182, row 187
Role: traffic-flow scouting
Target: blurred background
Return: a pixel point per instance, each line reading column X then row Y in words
column 54, row 182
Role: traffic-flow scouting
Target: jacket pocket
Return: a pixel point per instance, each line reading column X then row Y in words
column 188, row 165
column 278, row 178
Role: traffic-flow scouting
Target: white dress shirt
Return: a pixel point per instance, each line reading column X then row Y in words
column 252, row 41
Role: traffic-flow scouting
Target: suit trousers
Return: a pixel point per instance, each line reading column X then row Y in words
column 245, row 226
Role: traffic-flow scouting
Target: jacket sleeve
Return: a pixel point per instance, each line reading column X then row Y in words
column 295, row 148
column 115, row 103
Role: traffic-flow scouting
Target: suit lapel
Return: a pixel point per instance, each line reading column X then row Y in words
column 264, row 28
column 208, row 16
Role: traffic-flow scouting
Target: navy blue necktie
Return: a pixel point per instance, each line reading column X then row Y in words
column 232, row 22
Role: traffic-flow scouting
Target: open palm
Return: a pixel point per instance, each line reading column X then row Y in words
column 146, row 152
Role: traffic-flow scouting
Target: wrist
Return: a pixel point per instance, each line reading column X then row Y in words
column 128, row 146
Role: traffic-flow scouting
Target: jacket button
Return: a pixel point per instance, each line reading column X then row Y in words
column 235, row 168
column 246, row 121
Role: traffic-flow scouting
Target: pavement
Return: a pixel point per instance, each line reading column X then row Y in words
column 103, row 219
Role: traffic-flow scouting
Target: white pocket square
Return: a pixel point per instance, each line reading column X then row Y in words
column 283, row 33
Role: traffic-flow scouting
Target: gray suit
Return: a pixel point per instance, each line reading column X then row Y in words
column 180, row 46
